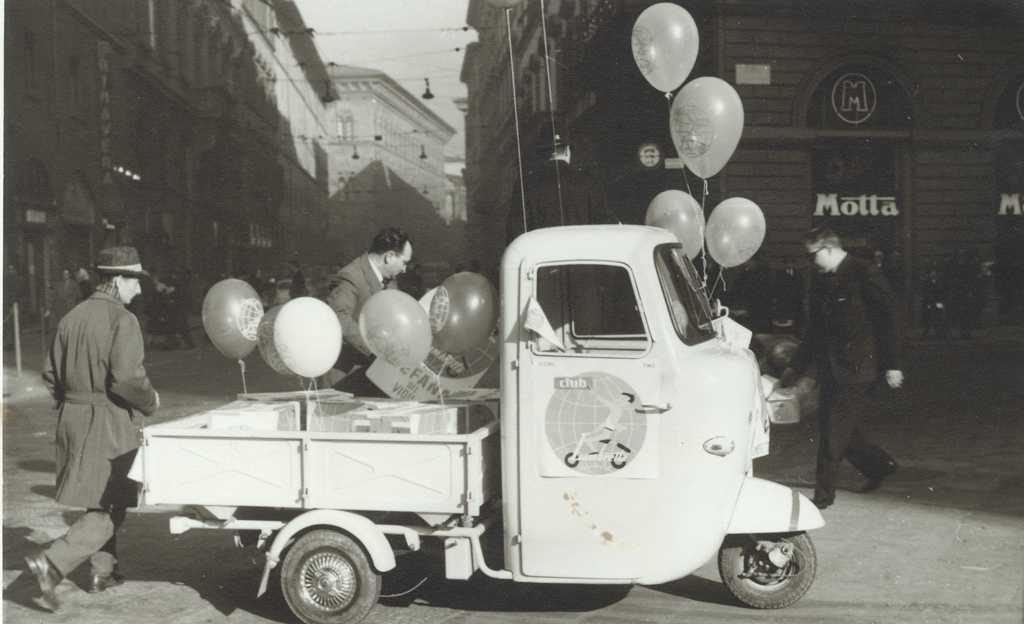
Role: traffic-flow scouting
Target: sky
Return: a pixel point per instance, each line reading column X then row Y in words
column 407, row 39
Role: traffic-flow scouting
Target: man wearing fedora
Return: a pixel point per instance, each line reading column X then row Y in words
column 94, row 371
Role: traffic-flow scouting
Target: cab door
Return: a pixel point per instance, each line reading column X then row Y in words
column 592, row 398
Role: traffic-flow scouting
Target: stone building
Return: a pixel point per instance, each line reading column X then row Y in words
column 188, row 128
column 899, row 123
column 387, row 167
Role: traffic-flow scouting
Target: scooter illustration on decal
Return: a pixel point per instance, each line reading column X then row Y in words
column 603, row 443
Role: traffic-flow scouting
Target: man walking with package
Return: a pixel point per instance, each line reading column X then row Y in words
column 852, row 336
column 95, row 373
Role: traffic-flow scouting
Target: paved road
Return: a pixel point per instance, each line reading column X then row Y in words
column 942, row 541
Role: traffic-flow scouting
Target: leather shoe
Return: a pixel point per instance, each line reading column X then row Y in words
column 821, row 502
column 48, row 578
column 875, row 480
column 100, row 582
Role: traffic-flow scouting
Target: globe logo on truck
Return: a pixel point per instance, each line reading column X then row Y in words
column 594, row 423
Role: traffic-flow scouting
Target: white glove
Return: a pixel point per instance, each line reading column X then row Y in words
column 894, row 378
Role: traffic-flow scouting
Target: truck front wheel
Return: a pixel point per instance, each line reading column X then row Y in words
column 768, row 571
column 326, row 578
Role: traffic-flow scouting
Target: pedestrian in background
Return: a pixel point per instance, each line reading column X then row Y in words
column 65, row 297
column 94, row 370
column 787, row 300
column 934, row 304
column 84, row 280
column 10, row 298
column 852, row 331
column 964, row 291
column 298, row 285
column 179, row 307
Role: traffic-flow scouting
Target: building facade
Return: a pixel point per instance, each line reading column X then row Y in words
column 899, row 124
column 387, row 168
column 187, row 128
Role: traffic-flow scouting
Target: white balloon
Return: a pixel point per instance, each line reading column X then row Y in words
column 307, row 335
column 665, row 45
column 735, row 231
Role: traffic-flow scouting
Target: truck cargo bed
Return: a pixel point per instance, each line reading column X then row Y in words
column 188, row 462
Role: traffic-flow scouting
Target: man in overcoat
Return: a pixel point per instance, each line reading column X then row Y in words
column 94, row 370
column 853, row 337
column 389, row 254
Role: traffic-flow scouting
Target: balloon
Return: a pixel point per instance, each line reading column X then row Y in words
column 307, row 335
column 706, row 122
column 463, row 312
column 665, row 43
column 735, row 231
column 231, row 315
column 503, row 4
column 395, row 328
column 679, row 213
column 265, row 342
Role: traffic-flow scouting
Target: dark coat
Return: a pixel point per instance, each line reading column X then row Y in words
column 852, row 331
column 356, row 283
column 94, row 370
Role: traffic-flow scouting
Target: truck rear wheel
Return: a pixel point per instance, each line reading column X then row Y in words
column 768, row 571
column 326, row 578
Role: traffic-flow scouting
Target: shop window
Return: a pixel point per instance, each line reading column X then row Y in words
column 591, row 309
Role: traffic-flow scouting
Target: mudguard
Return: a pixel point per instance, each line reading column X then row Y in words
column 362, row 529
column 767, row 507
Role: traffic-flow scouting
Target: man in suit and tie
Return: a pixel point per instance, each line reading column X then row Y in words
column 389, row 254
column 852, row 336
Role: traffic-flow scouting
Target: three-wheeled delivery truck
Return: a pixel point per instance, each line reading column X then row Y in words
column 619, row 450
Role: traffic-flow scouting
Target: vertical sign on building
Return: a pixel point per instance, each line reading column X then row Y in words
column 855, row 193
column 103, row 63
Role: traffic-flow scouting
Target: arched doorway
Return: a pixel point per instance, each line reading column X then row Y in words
column 863, row 115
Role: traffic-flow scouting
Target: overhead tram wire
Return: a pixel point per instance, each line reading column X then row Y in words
column 515, row 115
column 551, row 110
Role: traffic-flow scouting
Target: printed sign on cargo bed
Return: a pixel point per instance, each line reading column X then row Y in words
column 421, row 383
column 595, row 425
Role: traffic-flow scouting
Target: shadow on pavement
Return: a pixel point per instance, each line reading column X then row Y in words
column 49, row 491
column 38, row 465
column 699, row 589
column 23, row 590
column 490, row 595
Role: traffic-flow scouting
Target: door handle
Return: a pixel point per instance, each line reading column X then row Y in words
column 647, row 408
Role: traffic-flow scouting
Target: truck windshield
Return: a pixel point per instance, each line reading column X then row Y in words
column 684, row 294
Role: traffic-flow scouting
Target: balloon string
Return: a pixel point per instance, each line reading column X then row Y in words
column 241, row 367
column 515, row 115
column 703, row 247
column 551, row 110
column 720, row 279
column 316, row 396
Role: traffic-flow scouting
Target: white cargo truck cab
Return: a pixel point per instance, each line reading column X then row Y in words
column 628, row 428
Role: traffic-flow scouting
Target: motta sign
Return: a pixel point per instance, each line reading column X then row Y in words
column 836, row 205
column 1009, row 204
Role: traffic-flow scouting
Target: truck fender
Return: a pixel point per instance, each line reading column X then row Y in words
column 362, row 529
column 767, row 507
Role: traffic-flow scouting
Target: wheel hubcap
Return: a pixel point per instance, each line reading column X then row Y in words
column 328, row 581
